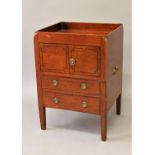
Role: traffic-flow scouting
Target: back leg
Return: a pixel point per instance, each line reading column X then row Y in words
column 118, row 105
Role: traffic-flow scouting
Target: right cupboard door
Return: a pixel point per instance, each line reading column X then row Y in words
column 84, row 60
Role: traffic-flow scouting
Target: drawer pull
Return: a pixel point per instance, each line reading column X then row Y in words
column 83, row 86
column 72, row 61
column 56, row 100
column 115, row 70
column 84, row 104
column 55, row 82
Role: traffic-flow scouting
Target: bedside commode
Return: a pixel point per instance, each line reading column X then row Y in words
column 79, row 68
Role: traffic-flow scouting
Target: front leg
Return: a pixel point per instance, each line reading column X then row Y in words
column 103, row 127
column 42, row 116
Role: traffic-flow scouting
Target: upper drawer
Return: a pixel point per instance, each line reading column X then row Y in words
column 71, row 85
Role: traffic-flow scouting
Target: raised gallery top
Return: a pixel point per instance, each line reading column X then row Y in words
column 99, row 29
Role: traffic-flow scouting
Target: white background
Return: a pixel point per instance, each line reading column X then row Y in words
column 143, row 77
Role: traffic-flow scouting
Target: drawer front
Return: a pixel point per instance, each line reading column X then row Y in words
column 71, row 102
column 54, row 58
column 71, row 85
column 87, row 60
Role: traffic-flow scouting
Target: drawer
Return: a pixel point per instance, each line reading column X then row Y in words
column 71, row 85
column 71, row 102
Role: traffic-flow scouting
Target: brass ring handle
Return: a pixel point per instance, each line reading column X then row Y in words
column 56, row 100
column 83, row 86
column 115, row 70
column 72, row 61
column 84, row 104
column 55, row 83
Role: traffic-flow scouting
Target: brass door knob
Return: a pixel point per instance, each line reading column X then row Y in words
column 83, row 86
column 56, row 100
column 115, row 70
column 84, row 104
column 116, row 67
column 72, row 61
column 55, row 82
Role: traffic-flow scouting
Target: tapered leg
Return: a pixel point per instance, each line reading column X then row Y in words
column 118, row 105
column 103, row 128
column 42, row 115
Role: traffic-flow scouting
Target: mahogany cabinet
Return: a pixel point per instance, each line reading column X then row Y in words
column 79, row 68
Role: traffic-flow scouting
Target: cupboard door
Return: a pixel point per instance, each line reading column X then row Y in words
column 54, row 58
column 84, row 60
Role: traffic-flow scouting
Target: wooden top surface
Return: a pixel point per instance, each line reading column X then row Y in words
column 81, row 28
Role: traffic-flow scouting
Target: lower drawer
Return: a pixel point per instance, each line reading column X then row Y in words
column 71, row 102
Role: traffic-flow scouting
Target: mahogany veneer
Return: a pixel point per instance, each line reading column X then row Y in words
column 79, row 67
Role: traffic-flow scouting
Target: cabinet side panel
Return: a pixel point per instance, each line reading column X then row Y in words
column 37, row 65
column 38, row 78
column 114, row 66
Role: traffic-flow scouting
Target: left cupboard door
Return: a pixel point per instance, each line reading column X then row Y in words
column 54, row 58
